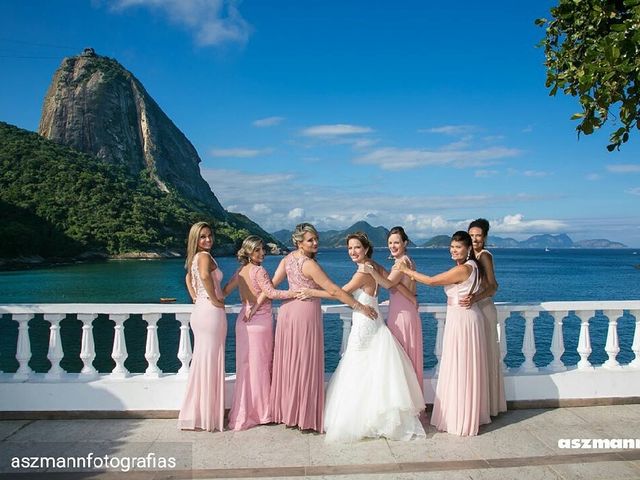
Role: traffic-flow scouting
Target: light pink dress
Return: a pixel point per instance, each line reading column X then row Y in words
column 405, row 324
column 461, row 402
column 254, row 355
column 203, row 404
column 497, row 400
column 297, row 385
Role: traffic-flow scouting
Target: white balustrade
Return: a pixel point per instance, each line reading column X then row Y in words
column 557, row 342
column 635, row 346
column 529, row 343
column 119, row 352
column 23, row 348
column 584, row 340
column 152, row 347
column 87, row 349
column 502, row 337
column 440, row 319
column 612, row 347
column 55, row 353
column 184, row 344
column 346, row 330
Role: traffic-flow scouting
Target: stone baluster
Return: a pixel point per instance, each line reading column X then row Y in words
column 23, row 348
column 55, row 352
column 440, row 319
column 87, row 349
column 584, row 340
column 612, row 347
column 502, row 337
column 184, row 346
column 529, row 343
column 152, row 347
column 635, row 346
column 119, row 352
column 557, row 342
column 346, row 330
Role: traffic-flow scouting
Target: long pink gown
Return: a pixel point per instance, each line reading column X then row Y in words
column 497, row 400
column 405, row 324
column 254, row 355
column 203, row 404
column 461, row 402
column 297, row 385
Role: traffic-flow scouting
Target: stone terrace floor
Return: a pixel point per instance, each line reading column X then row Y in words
column 520, row 444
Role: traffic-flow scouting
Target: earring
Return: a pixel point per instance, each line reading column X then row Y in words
column 468, row 254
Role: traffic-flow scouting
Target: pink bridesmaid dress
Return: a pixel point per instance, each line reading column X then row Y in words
column 254, row 354
column 461, row 402
column 203, row 404
column 405, row 324
column 297, row 386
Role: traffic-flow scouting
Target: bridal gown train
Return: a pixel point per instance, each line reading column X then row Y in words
column 374, row 391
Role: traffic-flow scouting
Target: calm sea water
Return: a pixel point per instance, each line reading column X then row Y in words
column 524, row 276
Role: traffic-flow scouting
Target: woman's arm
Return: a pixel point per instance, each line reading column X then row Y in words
column 457, row 274
column 280, row 274
column 192, row 292
column 380, row 275
column 205, row 262
column 489, row 283
column 264, row 282
column 312, row 270
column 231, row 285
column 357, row 281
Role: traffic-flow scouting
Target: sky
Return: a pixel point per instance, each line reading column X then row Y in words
column 408, row 113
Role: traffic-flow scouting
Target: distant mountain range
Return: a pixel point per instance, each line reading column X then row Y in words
column 378, row 236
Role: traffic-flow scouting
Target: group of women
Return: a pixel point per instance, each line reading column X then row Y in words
column 377, row 389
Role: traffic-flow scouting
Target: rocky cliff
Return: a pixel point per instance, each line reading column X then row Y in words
column 98, row 107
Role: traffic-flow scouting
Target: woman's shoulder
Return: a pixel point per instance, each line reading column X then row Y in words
column 483, row 253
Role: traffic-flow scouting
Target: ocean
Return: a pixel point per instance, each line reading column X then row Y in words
column 524, row 275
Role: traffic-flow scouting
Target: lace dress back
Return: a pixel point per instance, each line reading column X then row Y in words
column 196, row 281
column 293, row 266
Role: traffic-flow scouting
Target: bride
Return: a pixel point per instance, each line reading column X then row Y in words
column 374, row 391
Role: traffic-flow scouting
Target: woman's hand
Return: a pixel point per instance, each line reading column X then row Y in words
column 401, row 266
column 304, row 294
column 369, row 268
column 366, row 309
column 216, row 302
column 467, row 301
column 250, row 311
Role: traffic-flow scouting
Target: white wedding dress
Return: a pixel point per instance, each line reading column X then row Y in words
column 374, row 391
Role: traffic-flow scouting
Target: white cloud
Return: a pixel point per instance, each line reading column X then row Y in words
column 450, row 129
column 261, row 208
column 213, row 22
column 633, row 191
column 239, row 152
column 391, row 158
column 517, row 224
column 624, row 168
column 535, row 173
column 296, row 214
column 486, row 173
column 593, row 176
column 334, row 130
column 268, row 122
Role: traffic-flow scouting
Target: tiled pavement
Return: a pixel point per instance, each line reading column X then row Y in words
column 520, row 444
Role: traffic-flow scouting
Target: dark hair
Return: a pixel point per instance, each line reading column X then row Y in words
column 482, row 224
column 364, row 240
column 464, row 237
column 399, row 231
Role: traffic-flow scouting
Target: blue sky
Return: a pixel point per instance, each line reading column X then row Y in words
column 413, row 113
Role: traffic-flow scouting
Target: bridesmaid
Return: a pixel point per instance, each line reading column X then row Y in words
column 203, row 404
column 478, row 229
column 254, row 337
column 404, row 319
column 297, row 385
column 461, row 402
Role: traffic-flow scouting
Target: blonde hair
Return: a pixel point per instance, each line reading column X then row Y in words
column 192, row 241
column 249, row 246
column 301, row 229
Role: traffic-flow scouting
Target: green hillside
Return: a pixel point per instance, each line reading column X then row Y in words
column 58, row 202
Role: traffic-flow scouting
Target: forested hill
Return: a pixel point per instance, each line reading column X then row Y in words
column 58, row 202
